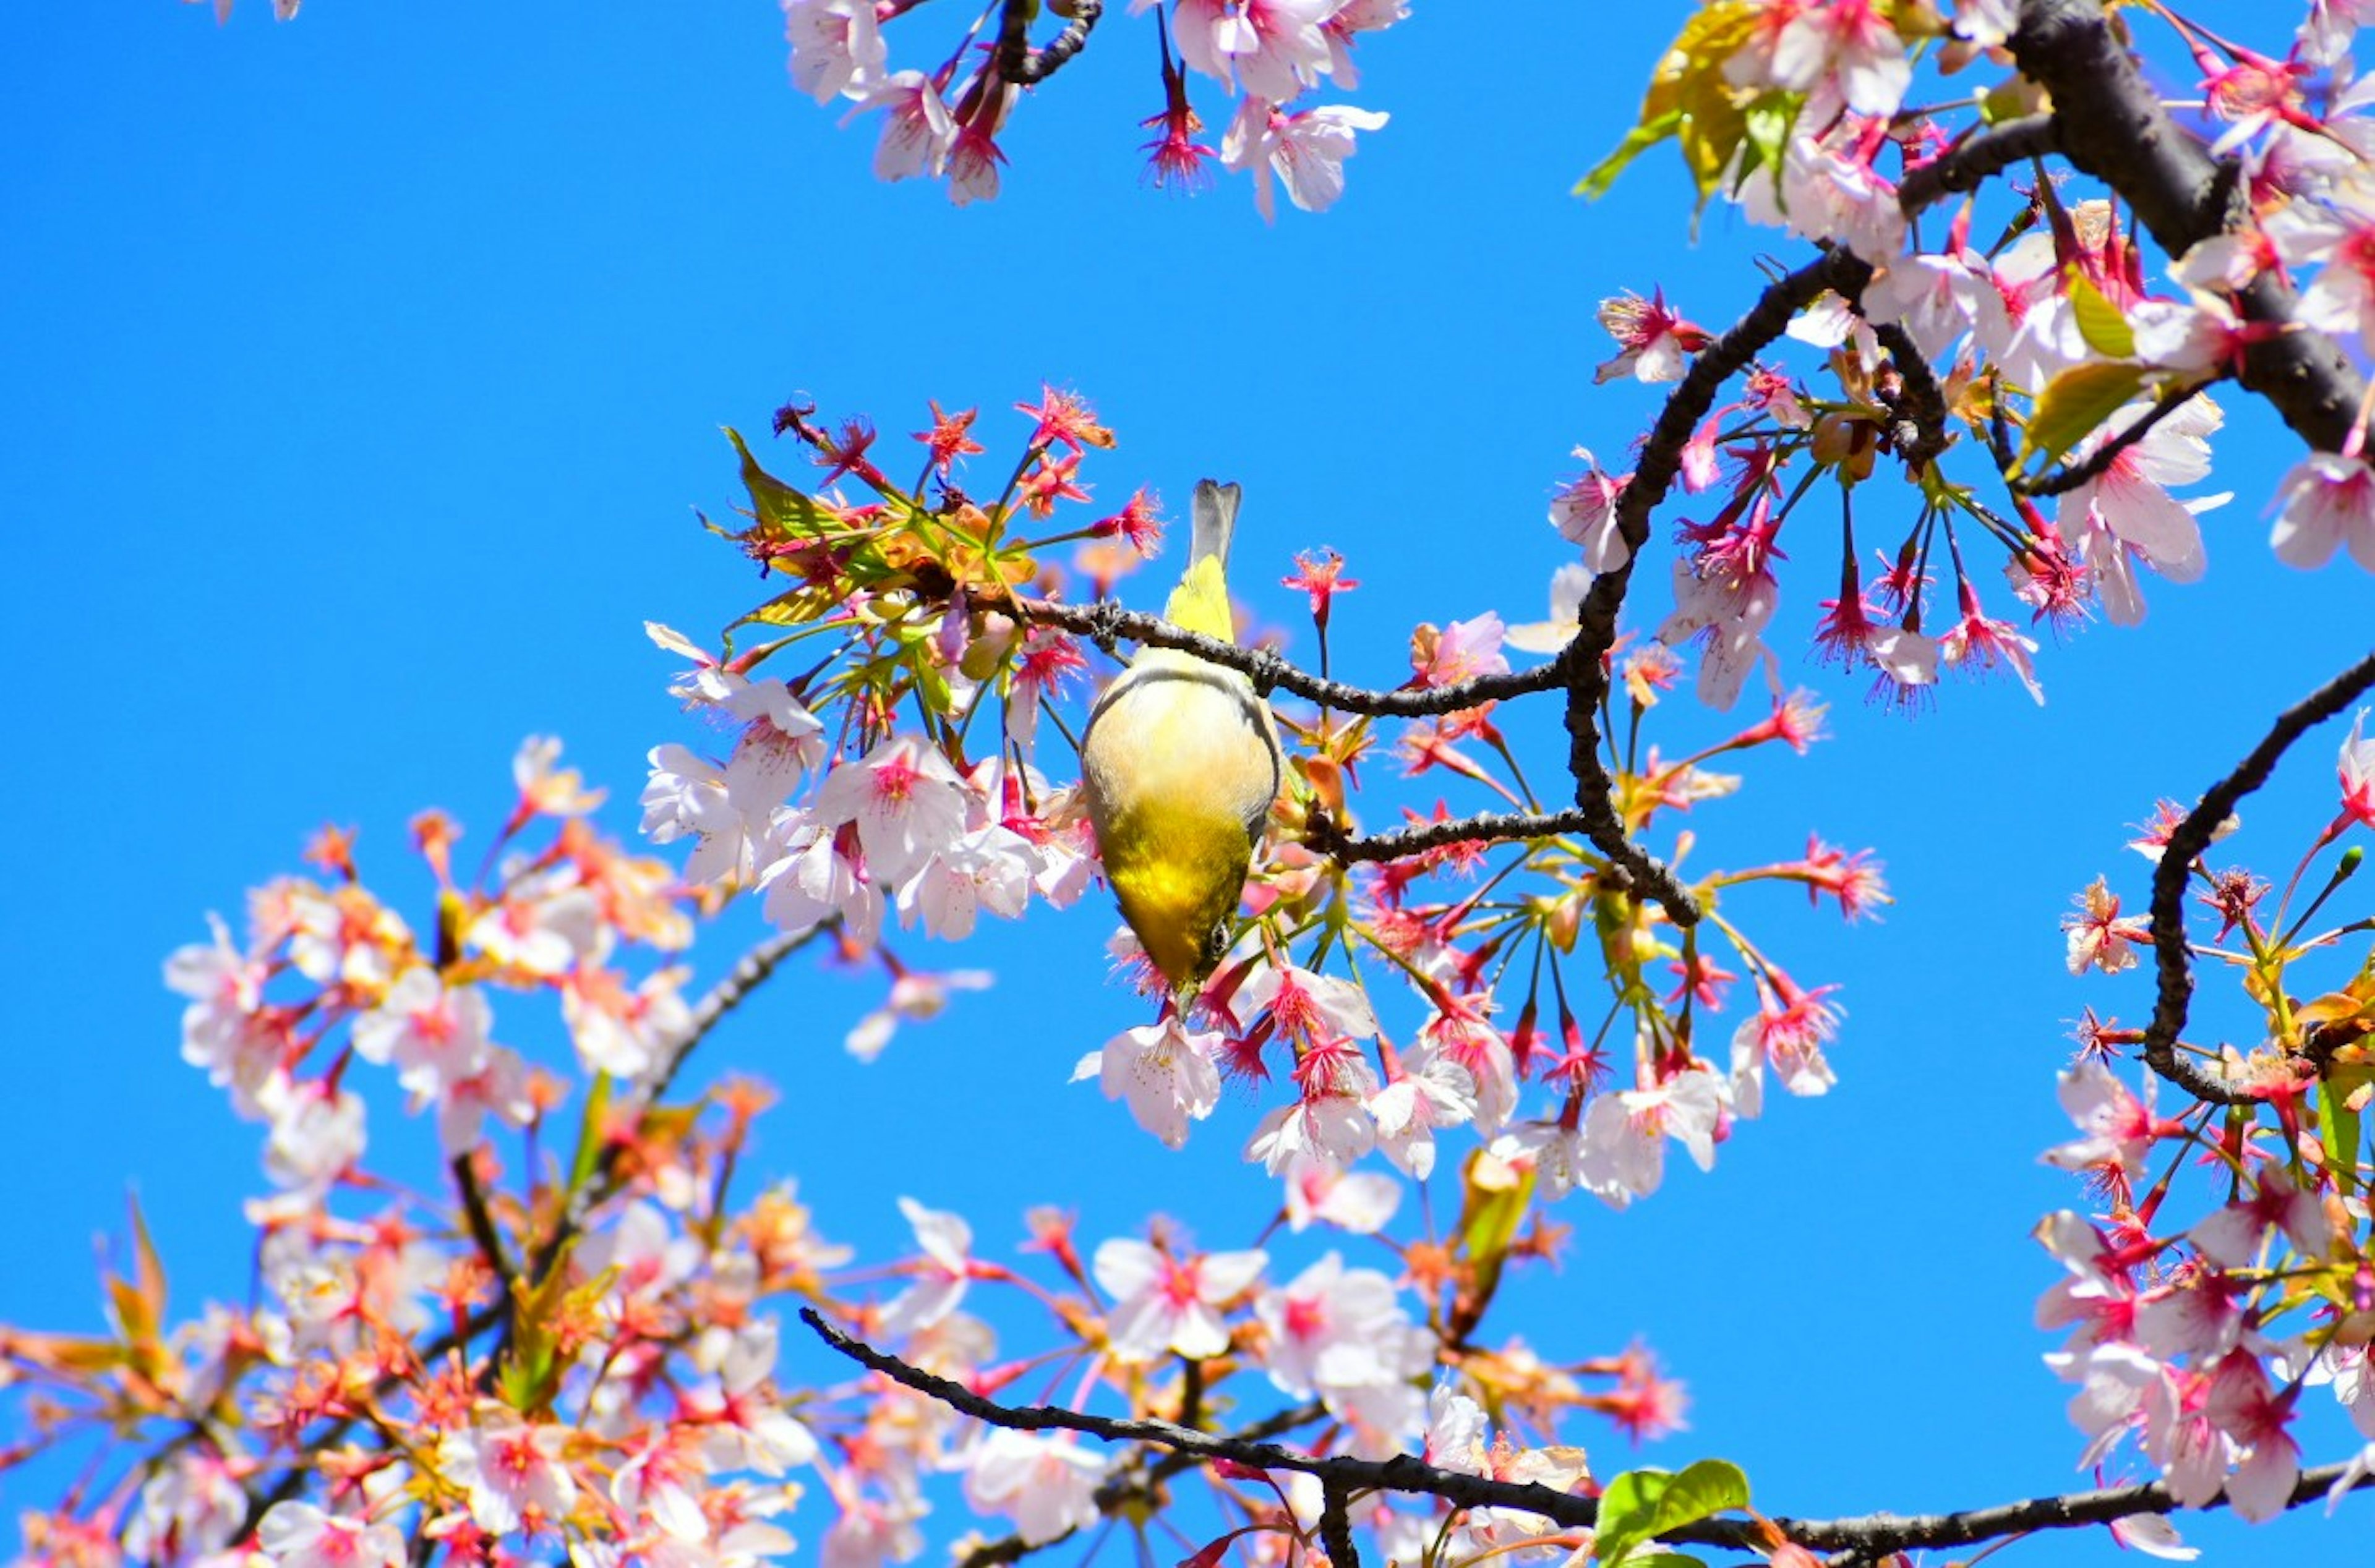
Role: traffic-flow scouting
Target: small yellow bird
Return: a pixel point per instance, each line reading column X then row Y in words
column 1179, row 766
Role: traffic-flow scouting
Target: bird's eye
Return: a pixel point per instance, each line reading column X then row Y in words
column 1216, row 944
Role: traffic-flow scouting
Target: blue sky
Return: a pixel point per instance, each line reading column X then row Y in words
column 361, row 376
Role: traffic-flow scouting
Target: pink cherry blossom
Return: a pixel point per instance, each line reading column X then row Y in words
column 1166, row 1073
column 299, row 1534
column 942, row 1270
column 2117, row 1126
column 907, row 801
column 1047, row 1485
column 1653, row 343
column 1307, row 150
column 2099, row 937
column 1276, row 48
column 1360, row 1202
column 511, row 1471
column 2326, row 502
column 1328, row 1326
column 836, row 47
column 1166, row 1304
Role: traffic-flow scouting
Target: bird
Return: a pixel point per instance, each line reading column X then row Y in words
column 1179, row 764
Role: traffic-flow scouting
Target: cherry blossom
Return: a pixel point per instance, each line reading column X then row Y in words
column 299, row 1534
column 1047, row 1485
column 1166, row 1073
column 1305, row 149
column 2326, row 502
column 1165, row 1303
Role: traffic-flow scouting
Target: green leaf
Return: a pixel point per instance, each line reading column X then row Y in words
column 2099, row 322
column 1640, row 1505
column 1765, row 127
column 1663, row 1560
column 2077, row 401
column 1690, row 100
column 783, row 511
column 1489, row 1217
column 2339, row 1126
column 1638, row 140
column 589, row 1134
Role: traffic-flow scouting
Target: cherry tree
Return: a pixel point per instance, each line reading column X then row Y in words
column 1986, row 380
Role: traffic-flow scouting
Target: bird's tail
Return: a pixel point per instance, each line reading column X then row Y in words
column 1200, row 603
column 1215, row 521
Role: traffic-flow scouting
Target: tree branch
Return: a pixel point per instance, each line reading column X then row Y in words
column 1019, row 63
column 2113, row 128
column 1492, row 827
column 1661, row 462
column 2171, row 958
column 1340, row 1474
column 1918, row 431
column 1974, row 159
column 2070, row 475
column 1106, row 621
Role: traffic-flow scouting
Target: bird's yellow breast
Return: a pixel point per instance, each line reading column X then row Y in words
column 1179, row 767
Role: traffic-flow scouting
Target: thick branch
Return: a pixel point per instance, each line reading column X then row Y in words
column 2185, row 845
column 2113, row 128
column 1343, row 1474
column 1019, row 63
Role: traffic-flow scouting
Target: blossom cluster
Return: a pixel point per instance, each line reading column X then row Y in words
column 589, row 1358
column 905, row 770
column 2195, row 1326
column 2049, row 348
column 943, row 123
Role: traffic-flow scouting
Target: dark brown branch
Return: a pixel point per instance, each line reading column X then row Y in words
column 2070, row 475
column 2113, row 128
column 1019, row 63
column 1490, row 827
column 1918, row 431
column 480, row 1221
column 2171, row 958
column 1335, row 1526
column 1662, row 460
column 1104, row 621
column 1974, row 159
column 1871, row 1535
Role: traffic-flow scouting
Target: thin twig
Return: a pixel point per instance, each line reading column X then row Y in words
column 1104, row 621
column 2070, row 475
column 2171, row 958
column 1974, row 159
column 1487, row 827
column 1875, row 1533
column 480, row 1221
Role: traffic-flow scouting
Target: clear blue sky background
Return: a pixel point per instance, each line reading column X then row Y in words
column 359, row 376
